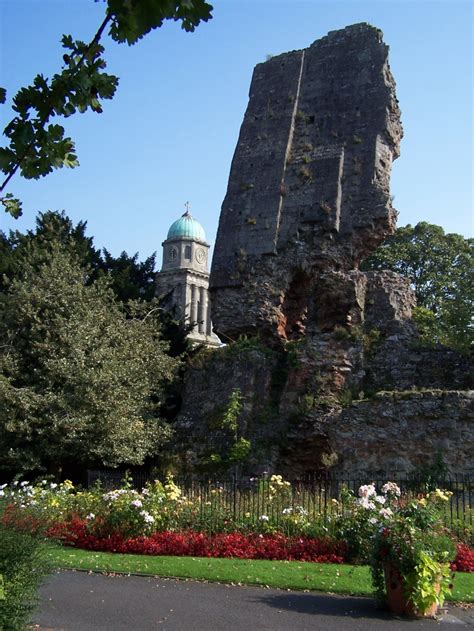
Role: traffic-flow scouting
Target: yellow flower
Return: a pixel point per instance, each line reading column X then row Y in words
column 172, row 491
column 442, row 495
column 422, row 501
column 278, row 480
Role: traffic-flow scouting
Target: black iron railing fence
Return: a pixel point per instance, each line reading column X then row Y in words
column 252, row 498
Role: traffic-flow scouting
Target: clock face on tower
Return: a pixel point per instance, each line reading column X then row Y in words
column 200, row 255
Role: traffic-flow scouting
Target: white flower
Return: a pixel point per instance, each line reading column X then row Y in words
column 264, row 518
column 113, row 495
column 367, row 490
column 391, row 487
column 380, row 499
column 137, row 503
column 145, row 492
column 365, row 503
column 2, row 486
column 44, row 482
column 147, row 518
column 90, row 516
column 53, row 485
column 287, row 511
column 15, row 483
column 24, row 483
column 2, row 492
column 372, row 521
column 301, row 510
column 386, row 513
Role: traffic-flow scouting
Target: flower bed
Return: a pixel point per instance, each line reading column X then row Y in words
column 160, row 519
column 76, row 533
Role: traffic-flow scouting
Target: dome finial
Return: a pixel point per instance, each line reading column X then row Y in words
column 187, row 205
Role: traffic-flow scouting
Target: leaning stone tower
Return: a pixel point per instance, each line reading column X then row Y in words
column 183, row 281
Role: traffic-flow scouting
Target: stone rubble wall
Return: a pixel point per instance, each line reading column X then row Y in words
column 406, row 432
column 297, row 426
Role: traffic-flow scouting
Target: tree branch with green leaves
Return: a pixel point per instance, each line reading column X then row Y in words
column 36, row 146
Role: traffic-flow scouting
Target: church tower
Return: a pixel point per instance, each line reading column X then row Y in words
column 184, row 277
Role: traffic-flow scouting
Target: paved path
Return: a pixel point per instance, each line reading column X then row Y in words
column 78, row 601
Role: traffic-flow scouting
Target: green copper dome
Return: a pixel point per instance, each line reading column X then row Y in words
column 186, row 226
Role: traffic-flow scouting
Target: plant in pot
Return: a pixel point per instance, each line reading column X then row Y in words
column 411, row 553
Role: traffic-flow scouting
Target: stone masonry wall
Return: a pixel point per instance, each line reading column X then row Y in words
column 295, row 430
column 406, row 432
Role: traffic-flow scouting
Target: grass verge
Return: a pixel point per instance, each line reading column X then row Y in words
column 336, row 579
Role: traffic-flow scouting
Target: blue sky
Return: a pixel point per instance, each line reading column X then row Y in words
column 170, row 133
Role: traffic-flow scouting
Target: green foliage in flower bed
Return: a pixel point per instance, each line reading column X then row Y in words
column 337, row 579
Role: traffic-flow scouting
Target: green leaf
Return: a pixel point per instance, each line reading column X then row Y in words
column 69, row 109
column 3, row 95
column 12, row 205
column 131, row 22
column 7, row 157
column 67, row 42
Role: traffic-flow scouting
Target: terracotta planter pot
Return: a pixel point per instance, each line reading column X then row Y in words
column 397, row 600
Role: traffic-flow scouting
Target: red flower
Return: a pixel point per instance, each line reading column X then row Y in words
column 464, row 561
column 191, row 543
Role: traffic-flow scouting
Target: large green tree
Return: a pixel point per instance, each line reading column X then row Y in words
column 441, row 269
column 80, row 379
column 130, row 278
column 52, row 228
column 36, row 142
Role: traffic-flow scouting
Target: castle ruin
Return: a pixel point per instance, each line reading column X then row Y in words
column 334, row 377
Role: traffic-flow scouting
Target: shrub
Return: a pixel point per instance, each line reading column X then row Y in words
column 23, row 564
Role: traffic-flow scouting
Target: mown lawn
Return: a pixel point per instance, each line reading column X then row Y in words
column 297, row 575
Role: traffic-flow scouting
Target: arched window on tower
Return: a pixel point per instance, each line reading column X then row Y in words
column 187, row 252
